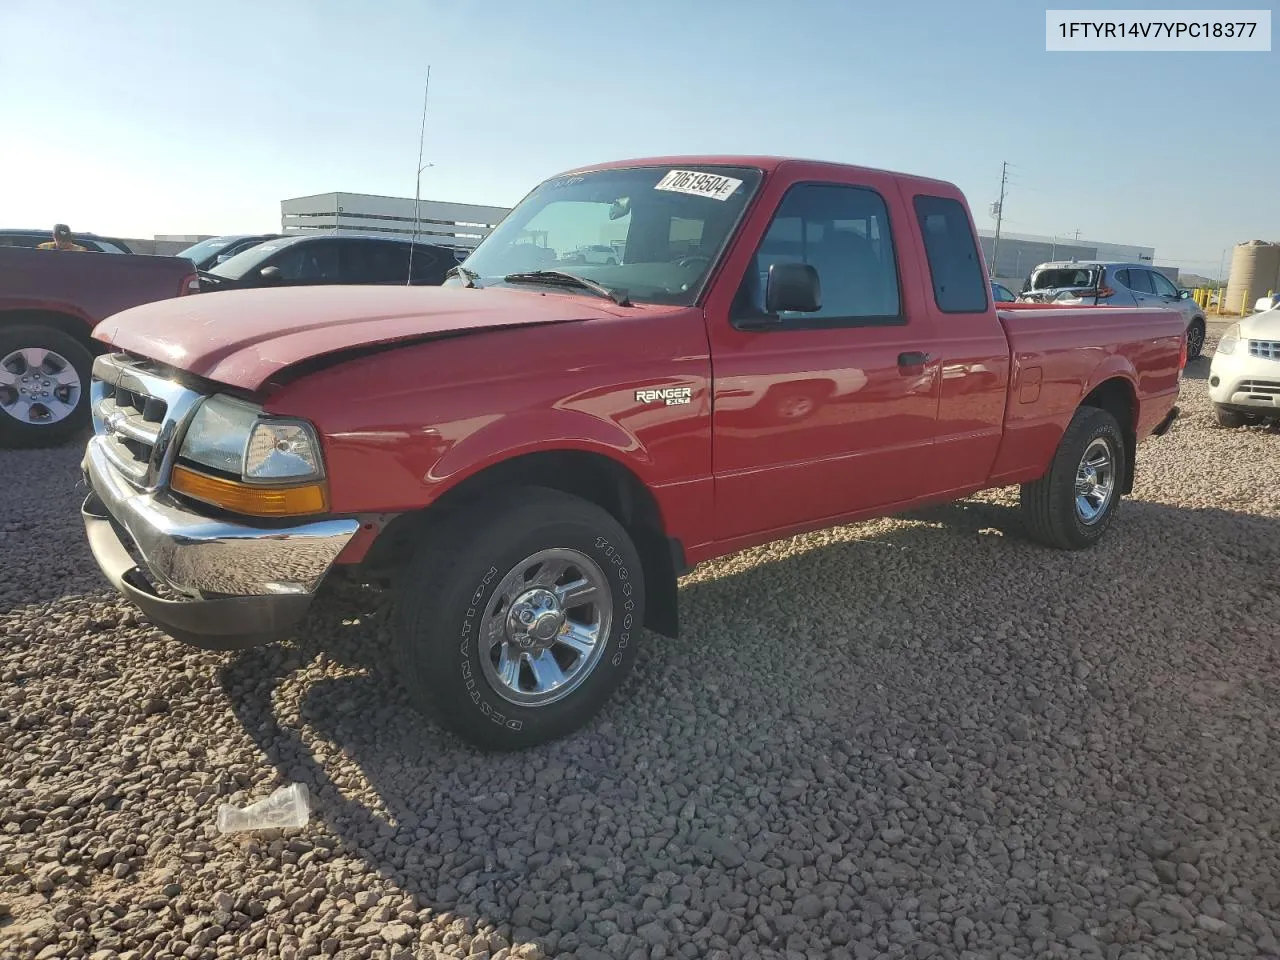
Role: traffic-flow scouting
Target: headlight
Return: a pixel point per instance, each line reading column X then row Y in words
column 281, row 450
column 236, row 437
column 219, row 434
column 275, row 462
column 1230, row 337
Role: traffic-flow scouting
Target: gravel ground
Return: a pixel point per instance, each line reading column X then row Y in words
column 919, row 737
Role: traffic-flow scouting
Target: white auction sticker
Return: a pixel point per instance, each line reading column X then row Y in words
column 699, row 184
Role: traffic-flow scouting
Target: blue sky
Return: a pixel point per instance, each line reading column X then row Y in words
column 200, row 118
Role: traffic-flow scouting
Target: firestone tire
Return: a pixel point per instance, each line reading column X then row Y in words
column 475, row 600
column 61, row 355
column 1071, row 506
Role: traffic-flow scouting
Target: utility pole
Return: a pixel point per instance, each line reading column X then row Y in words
column 998, row 210
column 417, row 189
column 1077, row 236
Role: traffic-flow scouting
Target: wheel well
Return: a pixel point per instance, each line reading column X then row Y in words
column 1116, row 396
column 591, row 476
column 67, row 323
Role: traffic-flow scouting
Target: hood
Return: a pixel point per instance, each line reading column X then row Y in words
column 1261, row 326
column 243, row 338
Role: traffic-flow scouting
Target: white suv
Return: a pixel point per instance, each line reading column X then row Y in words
column 1244, row 377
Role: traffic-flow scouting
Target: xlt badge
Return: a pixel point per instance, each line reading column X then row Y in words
column 671, row 396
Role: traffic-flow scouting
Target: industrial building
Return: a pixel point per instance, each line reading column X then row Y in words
column 1019, row 253
column 457, row 225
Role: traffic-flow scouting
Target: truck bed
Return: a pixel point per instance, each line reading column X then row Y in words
column 90, row 286
column 1061, row 354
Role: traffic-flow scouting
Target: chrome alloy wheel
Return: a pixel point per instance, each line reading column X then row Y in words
column 1095, row 481
column 38, row 386
column 545, row 627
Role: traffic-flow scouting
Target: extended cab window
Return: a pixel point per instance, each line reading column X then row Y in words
column 954, row 264
column 843, row 233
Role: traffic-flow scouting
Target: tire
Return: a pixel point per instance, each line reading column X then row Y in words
column 1050, row 506
column 1230, row 418
column 1195, row 339
column 460, row 584
column 40, row 420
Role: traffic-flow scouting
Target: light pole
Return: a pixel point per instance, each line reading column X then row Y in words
column 417, row 187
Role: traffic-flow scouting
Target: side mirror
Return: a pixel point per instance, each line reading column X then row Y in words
column 270, row 274
column 792, row 287
column 1184, row 294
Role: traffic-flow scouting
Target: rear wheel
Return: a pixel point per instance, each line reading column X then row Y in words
column 1195, row 339
column 1230, row 418
column 44, row 386
column 515, row 623
column 1072, row 505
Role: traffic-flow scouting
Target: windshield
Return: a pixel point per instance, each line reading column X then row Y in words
column 662, row 228
column 233, row 268
column 1064, row 277
column 205, row 248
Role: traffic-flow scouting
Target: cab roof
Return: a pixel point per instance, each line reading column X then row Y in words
column 768, row 164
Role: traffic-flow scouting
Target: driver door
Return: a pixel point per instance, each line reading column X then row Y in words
column 824, row 414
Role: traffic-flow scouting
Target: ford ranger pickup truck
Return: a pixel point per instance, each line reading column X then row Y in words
column 529, row 456
column 50, row 302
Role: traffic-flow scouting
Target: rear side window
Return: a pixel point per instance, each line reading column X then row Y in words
column 1140, row 280
column 954, row 263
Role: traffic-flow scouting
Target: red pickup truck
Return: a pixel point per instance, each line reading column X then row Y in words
column 530, row 455
column 50, row 302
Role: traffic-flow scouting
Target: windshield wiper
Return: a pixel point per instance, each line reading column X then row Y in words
column 460, row 271
column 563, row 279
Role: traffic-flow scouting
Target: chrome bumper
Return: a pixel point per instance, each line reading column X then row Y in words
column 237, row 585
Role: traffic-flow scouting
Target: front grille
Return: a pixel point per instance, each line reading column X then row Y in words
column 1260, row 388
column 1266, row 349
column 136, row 410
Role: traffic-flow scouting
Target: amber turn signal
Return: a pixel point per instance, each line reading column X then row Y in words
column 250, row 499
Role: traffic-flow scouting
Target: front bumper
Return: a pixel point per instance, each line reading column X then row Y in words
column 1245, row 382
column 233, row 585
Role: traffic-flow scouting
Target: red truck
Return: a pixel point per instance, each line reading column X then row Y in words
column 532, row 454
column 50, row 302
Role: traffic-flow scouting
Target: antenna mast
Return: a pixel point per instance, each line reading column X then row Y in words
column 417, row 188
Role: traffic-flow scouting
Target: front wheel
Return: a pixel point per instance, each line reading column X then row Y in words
column 1072, row 505
column 44, row 386
column 515, row 623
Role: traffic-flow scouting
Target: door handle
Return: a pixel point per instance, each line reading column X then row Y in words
column 913, row 358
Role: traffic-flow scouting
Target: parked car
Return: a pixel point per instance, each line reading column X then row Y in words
column 1244, row 375
column 1115, row 284
column 1002, row 294
column 599, row 253
column 210, row 252
column 525, row 456
column 329, row 258
column 90, row 241
column 49, row 304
